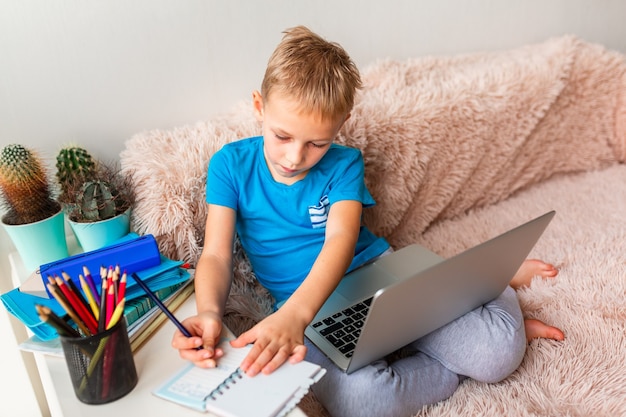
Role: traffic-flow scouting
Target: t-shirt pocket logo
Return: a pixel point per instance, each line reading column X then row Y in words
column 319, row 213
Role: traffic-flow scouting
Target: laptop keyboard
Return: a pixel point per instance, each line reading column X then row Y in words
column 342, row 329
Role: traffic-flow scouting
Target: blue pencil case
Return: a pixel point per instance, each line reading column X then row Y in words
column 133, row 253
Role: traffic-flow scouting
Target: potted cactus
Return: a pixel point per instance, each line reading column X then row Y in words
column 32, row 217
column 74, row 166
column 96, row 196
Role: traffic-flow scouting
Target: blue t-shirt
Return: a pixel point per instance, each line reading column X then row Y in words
column 282, row 227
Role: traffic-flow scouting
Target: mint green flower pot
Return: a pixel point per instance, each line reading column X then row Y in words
column 95, row 235
column 40, row 242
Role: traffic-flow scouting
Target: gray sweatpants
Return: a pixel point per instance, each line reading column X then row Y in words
column 486, row 344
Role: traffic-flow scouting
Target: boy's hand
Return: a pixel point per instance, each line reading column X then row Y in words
column 200, row 349
column 277, row 338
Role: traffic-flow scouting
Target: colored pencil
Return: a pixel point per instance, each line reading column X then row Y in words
column 53, row 282
column 110, row 301
column 103, row 272
column 61, row 326
column 79, row 308
column 107, row 363
column 103, row 304
column 74, row 288
column 90, row 298
column 162, row 306
column 110, row 273
column 173, row 304
column 74, row 296
column 115, row 278
column 121, row 293
column 55, row 291
column 92, row 284
column 117, row 313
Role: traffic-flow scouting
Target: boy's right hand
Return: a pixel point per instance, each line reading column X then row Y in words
column 200, row 349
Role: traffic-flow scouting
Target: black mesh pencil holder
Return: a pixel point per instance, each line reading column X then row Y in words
column 102, row 367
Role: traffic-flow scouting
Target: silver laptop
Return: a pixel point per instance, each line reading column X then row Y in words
column 405, row 295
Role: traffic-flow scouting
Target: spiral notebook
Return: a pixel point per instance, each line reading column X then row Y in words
column 228, row 392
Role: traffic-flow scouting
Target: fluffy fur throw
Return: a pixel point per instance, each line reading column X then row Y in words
column 440, row 136
column 443, row 135
column 585, row 375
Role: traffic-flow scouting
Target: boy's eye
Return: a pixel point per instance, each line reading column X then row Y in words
column 319, row 145
column 279, row 137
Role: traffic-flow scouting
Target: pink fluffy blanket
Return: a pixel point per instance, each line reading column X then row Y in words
column 440, row 136
column 444, row 135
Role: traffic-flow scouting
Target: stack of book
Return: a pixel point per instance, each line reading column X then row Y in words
column 168, row 280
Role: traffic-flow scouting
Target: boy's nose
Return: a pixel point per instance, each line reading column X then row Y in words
column 295, row 154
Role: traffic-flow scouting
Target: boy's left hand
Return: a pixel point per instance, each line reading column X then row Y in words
column 277, row 338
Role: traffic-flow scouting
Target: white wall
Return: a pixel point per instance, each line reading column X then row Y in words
column 96, row 72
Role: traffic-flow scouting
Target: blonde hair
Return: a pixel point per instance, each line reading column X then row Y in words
column 319, row 74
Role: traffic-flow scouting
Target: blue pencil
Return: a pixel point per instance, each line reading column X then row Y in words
column 162, row 306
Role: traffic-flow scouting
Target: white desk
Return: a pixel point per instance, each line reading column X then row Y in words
column 155, row 361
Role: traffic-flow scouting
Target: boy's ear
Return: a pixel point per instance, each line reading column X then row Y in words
column 344, row 121
column 257, row 105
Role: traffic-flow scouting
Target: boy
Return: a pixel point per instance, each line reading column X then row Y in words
column 295, row 199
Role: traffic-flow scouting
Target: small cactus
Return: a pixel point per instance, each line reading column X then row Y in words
column 74, row 165
column 91, row 190
column 96, row 201
column 26, row 192
column 105, row 194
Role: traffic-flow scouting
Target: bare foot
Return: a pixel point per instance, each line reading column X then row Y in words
column 536, row 329
column 531, row 268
